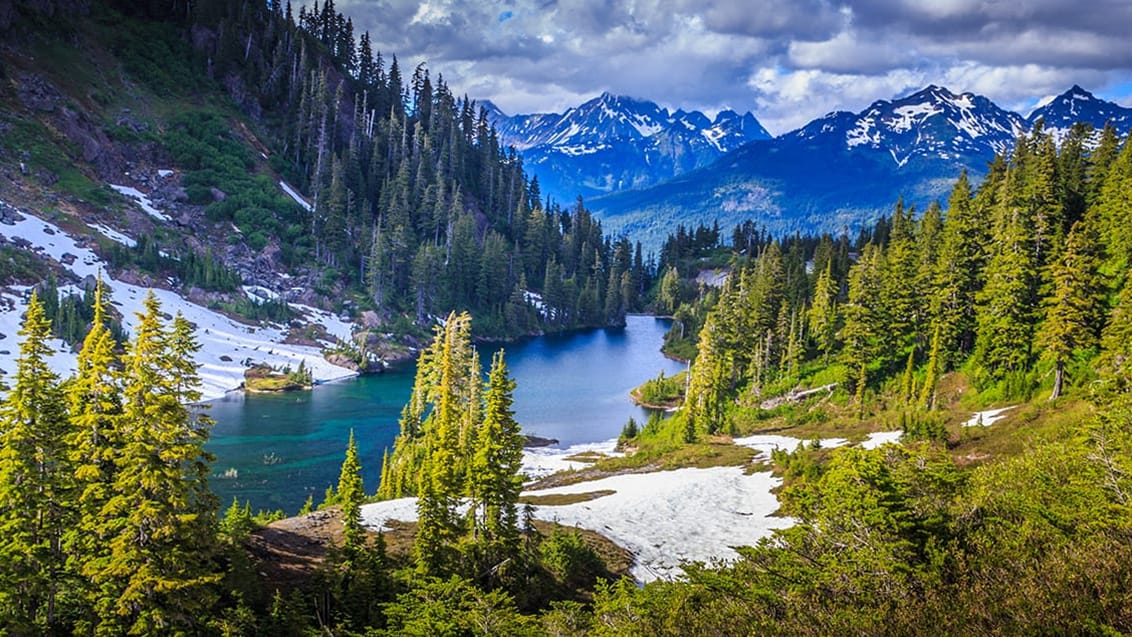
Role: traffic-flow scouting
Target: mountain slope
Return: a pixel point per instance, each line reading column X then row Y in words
column 845, row 168
column 1078, row 105
column 613, row 143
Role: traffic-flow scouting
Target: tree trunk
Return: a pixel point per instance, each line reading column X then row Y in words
column 1058, row 379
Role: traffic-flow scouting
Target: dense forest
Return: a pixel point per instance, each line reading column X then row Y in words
column 411, row 208
column 413, row 199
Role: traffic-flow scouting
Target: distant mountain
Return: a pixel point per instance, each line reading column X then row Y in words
column 931, row 123
column 846, row 168
column 613, row 143
column 1078, row 105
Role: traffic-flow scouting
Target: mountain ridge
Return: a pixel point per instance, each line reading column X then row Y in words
column 613, row 142
column 844, row 169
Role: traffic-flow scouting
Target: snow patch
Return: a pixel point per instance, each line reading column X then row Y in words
column 259, row 295
column 664, row 518
column 225, row 344
column 539, row 462
column 908, row 116
column 765, row 444
column 988, row 417
column 879, row 438
column 114, row 235
column 142, row 200
column 294, row 194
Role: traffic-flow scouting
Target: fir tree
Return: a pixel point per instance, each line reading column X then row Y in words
column 35, row 484
column 95, row 405
column 493, row 476
column 160, row 521
column 351, row 495
column 1073, row 312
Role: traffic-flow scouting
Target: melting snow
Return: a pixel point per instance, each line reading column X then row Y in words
column 988, row 417
column 220, row 337
column 294, row 194
column 663, row 518
column 908, row 116
column 142, row 200
column 114, row 235
column 539, row 462
column 878, row 438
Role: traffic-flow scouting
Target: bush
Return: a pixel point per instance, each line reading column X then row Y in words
column 567, row 556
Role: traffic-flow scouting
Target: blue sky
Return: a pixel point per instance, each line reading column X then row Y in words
column 788, row 61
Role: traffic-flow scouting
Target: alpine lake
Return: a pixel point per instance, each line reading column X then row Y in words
column 275, row 450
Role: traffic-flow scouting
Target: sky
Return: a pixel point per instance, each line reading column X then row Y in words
column 787, row 61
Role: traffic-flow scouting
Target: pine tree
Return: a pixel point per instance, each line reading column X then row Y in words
column 957, row 274
column 95, row 404
column 1073, row 312
column 928, row 391
column 706, row 402
column 493, row 477
column 1007, row 303
column 35, row 484
column 822, row 315
column 351, row 495
column 160, row 521
column 1116, row 339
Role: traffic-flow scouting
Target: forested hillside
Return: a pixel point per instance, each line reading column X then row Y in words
column 1021, row 285
column 411, row 206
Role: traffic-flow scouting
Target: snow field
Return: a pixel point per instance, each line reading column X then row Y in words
column 220, row 337
column 664, row 518
column 142, row 200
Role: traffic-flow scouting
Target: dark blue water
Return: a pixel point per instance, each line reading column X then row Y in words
column 275, row 450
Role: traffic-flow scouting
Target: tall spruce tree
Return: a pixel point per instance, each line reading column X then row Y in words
column 351, row 495
column 95, row 404
column 159, row 522
column 493, row 476
column 1074, row 311
column 36, row 482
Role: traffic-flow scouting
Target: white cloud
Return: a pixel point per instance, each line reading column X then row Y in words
column 794, row 59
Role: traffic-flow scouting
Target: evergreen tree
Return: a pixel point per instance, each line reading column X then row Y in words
column 159, row 523
column 95, row 405
column 35, row 485
column 1007, row 303
column 822, row 315
column 493, row 477
column 1073, row 312
column 351, row 495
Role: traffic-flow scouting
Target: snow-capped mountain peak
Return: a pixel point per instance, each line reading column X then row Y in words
column 1059, row 114
column 932, row 122
column 622, row 141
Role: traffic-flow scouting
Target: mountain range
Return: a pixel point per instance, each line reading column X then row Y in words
column 651, row 169
column 613, row 143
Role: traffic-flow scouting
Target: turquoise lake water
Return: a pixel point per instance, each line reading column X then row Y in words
column 275, row 450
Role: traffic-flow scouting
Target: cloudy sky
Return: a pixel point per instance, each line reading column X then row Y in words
column 788, row 61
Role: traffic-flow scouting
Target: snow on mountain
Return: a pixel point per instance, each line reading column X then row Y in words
column 225, row 343
column 931, row 123
column 614, row 142
column 1060, row 113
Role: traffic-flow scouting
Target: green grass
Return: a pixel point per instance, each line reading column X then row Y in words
column 562, row 499
column 20, row 267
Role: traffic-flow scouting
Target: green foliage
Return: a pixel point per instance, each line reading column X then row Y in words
column 628, row 432
column 567, row 556
column 351, row 495
column 72, row 315
column 191, row 270
column 662, row 390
